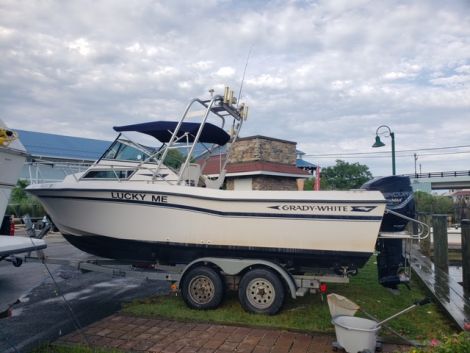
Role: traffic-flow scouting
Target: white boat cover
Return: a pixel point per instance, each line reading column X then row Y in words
column 10, row 245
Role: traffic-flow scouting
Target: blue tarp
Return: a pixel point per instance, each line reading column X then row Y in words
column 163, row 130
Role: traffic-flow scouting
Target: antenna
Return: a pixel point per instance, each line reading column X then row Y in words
column 244, row 72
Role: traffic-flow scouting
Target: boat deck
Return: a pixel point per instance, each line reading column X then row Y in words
column 444, row 288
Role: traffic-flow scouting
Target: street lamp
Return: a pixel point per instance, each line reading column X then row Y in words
column 379, row 143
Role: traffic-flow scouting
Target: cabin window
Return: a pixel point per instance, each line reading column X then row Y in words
column 108, row 174
column 123, row 152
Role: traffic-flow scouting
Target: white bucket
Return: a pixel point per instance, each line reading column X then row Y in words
column 356, row 334
column 340, row 305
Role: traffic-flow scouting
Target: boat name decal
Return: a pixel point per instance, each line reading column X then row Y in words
column 324, row 208
column 136, row 196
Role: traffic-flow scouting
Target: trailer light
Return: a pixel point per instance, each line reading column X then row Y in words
column 12, row 227
column 323, row 288
column 174, row 287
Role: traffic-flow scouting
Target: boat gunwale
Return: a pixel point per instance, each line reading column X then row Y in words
column 35, row 190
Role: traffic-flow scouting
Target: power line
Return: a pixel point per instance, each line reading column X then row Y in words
column 384, row 152
column 332, row 156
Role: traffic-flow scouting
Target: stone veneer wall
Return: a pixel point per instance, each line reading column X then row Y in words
column 229, row 184
column 264, row 149
column 260, row 148
column 266, row 182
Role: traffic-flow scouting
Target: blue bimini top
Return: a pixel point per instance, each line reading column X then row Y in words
column 163, row 130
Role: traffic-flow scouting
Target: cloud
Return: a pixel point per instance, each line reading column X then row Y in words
column 225, row 72
column 320, row 72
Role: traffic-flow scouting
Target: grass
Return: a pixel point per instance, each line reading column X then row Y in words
column 311, row 312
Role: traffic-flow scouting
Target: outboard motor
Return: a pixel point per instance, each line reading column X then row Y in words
column 399, row 196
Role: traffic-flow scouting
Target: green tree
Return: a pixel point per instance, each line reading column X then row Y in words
column 174, row 159
column 436, row 204
column 21, row 203
column 308, row 184
column 344, row 176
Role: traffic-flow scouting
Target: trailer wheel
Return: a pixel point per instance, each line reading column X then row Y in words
column 261, row 292
column 16, row 261
column 202, row 288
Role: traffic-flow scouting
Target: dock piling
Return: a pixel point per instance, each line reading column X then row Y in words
column 425, row 244
column 441, row 245
column 465, row 223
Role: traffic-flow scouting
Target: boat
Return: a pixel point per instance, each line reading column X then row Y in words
column 12, row 158
column 134, row 204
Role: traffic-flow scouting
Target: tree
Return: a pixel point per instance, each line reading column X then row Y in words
column 308, row 184
column 436, row 204
column 344, row 176
column 21, row 203
column 174, row 159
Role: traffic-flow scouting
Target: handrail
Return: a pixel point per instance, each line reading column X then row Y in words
column 173, row 137
column 423, row 228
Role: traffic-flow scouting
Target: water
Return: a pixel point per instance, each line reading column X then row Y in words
column 456, row 273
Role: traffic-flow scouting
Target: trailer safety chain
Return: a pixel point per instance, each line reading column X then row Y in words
column 8, row 342
column 69, row 309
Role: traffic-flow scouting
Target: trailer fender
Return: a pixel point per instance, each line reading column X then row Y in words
column 235, row 266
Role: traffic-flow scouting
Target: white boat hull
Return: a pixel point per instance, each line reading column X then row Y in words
column 160, row 219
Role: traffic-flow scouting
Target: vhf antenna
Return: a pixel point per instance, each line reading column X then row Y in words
column 243, row 78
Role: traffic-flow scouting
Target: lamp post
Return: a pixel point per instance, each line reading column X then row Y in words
column 379, row 143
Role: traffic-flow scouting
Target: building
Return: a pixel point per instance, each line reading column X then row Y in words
column 307, row 166
column 52, row 157
column 259, row 163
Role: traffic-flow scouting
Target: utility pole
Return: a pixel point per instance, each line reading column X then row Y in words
column 416, row 159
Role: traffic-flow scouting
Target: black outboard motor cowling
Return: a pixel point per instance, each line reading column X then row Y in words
column 399, row 196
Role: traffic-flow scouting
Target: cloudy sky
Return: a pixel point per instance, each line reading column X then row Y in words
column 325, row 74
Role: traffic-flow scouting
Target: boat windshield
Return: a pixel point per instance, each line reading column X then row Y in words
column 122, row 151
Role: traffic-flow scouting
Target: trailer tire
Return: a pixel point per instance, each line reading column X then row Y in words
column 261, row 292
column 16, row 261
column 202, row 288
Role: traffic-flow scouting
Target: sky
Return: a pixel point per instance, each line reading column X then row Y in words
column 325, row 74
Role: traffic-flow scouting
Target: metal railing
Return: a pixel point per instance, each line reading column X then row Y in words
column 439, row 174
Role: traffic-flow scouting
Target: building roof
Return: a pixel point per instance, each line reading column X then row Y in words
column 300, row 163
column 254, row 137
column 461, row 193
column 43, row 145
column 254, row 168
